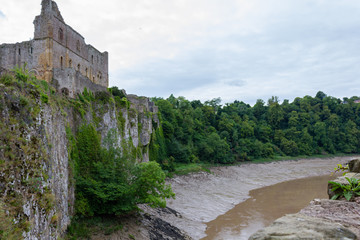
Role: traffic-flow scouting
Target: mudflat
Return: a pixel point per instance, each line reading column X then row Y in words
column 202, row 197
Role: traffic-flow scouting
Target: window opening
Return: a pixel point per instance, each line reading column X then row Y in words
column 61, row 34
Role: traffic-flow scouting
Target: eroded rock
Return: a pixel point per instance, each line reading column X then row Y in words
column 354, row 166
column 300, row 226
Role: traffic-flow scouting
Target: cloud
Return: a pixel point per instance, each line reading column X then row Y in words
column 203, row 49
column 2, row 15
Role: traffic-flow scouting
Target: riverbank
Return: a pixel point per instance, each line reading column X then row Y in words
column 201, row 197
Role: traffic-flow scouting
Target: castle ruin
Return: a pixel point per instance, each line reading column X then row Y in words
column 58, row 54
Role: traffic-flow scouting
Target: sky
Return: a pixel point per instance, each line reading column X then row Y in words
column 203, row 49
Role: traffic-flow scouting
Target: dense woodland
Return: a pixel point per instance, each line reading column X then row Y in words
column 208, row 132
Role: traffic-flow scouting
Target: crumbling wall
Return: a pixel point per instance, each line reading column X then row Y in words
column 56, row 45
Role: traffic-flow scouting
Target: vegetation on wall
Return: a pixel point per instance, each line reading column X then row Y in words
column 208, row 132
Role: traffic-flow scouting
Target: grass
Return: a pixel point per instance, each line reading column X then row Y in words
column 289, row 158
column 184, row 169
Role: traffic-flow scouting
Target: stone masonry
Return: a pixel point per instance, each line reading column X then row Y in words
column 56, row 51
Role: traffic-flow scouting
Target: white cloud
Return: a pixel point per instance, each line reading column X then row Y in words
column 204, row 49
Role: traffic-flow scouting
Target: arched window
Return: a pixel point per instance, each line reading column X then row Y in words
column 86, row 72
column 78, row 45
column 61, row 35
column 78, row 67
column 19, row 51
column 31, row 50
column 92, row 59
column 70, row 63
column 61, row 62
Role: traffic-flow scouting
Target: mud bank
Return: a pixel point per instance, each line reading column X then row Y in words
column 201, row 197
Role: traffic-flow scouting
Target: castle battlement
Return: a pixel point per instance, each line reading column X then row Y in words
column 57, row 48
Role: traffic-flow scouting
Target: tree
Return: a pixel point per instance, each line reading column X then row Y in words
column 112, row 182
column 275, row 113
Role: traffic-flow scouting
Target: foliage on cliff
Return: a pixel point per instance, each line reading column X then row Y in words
column 23, row 154
column 110, row 181
column 209, row 132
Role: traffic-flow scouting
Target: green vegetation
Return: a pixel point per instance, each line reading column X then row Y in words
column 84, row 228
column 341, row 168
column 193, row 132
column 8, row 230
column 110, row 181
column 346, row 190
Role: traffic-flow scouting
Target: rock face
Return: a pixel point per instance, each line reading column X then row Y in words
column 36, row 179
column 299, row 226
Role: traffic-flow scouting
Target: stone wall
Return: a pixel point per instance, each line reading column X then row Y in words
column 71, row 82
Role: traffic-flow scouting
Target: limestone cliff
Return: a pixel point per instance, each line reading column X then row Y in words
column 36, row 181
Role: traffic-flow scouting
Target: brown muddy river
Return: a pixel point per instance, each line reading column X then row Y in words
column 264, row 206
column 209, row 202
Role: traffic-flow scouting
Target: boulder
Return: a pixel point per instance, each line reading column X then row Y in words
column 354, row 165
column 300, row 226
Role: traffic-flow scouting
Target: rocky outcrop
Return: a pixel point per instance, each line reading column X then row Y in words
column 354, row 166
column 345, row 213
column 159, row 229
column 36, row 178
column 148, row 224
column 300, row 226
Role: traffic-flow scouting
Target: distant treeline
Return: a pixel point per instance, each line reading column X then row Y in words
column 192, row 131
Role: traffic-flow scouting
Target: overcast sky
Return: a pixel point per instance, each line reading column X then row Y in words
column 201, row 49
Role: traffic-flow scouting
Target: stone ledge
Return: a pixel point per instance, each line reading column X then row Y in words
column 300, row 226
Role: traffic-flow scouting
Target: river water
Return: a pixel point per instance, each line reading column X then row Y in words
column 203, row 198
column 266, row 205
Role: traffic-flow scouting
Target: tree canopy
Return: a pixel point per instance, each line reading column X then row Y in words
column 192, row 131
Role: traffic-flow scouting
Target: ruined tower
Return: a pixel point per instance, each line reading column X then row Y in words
column 58, row 54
